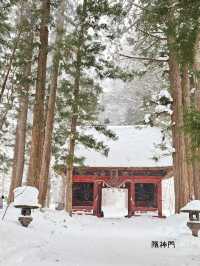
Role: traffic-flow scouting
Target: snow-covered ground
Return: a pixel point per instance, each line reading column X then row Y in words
column 53, row 239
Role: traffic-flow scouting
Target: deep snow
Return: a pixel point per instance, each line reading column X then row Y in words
column 53, row 239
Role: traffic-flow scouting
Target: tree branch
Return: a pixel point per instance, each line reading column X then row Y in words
column 140, row 7
column 144, row 58
column 152, row 35
column 9, row 66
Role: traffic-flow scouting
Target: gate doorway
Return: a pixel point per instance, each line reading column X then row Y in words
column 146, row 195
column 115, row 202
column 83, row 194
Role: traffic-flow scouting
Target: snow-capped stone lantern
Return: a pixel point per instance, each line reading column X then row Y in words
column 26, row 198
column 193, row 208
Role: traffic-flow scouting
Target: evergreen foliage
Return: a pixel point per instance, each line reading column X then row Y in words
column 192, row 126
column 91, row 29
column 89, row 33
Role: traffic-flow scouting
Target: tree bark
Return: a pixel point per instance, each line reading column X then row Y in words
column 72, row 138
column 175, row 83
column 18, row 167
column 14, row 166
column 62, row 200
column 182, row 194
column 10, row 64
column 20, row 139
column 46, row 155
column 186, row 106
column 38, row 111
column 48, row 198
column 74, row 119
column 196, row 67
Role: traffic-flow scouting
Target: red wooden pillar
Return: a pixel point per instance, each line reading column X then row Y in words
column 159, row 199
column 99, row 206
column 97, row 199
column 131, row 201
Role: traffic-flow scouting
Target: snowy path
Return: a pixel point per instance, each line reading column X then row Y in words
column 55, row 239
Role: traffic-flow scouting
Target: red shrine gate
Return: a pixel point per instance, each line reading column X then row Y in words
column 143, row 184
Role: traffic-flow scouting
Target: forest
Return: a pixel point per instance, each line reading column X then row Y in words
column 71, row 64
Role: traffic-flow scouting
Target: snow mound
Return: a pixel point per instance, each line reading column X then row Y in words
column 26, row 195
column 193, row 205
column 166, row 94
column 168, row 197
column 115, row 202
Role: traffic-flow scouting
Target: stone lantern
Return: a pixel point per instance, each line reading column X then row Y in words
column 193, row 209
column 26, row 198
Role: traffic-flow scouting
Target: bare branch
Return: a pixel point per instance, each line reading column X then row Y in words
column 140, row 7
column 144, row 58
column 152, row 35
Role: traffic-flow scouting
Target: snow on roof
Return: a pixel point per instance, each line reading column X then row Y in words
column 135, row 147
column 193, row 205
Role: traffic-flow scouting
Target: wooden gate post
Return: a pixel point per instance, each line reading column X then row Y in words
column 131, row 200
column 97, row 199
column 159, row 198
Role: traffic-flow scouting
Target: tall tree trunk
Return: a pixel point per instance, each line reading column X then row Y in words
column 186, row 105
column 48, row 198
column 182, row 194
column 179, row 156
column 46, row 155
column 18, row 167
column 74, row 119
column 14, row 166
column 62, row 187
column 20, row 138
column 196, row 67
column 176, row 87
column 38, row 111
column 72, row 139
